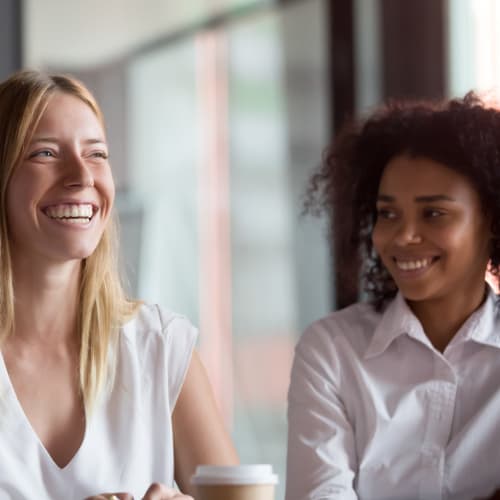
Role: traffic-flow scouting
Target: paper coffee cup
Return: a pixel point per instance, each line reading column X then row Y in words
column 234, row 482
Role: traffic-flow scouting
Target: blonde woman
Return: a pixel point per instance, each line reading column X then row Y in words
column 99, row 395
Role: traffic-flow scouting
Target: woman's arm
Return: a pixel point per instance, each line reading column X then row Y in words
column 199, row 433
column 321, row 458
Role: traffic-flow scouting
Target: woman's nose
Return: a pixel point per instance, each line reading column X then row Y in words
column 408, row 234
column 78, row 174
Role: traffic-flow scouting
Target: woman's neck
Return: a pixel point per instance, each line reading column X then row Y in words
column 46, row 301
column 441, row 318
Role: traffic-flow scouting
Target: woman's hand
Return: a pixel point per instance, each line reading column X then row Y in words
column 112, row 496
column 156, row 491
column 159, row 491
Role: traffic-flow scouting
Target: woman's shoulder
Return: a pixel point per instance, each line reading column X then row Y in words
column 155, row 323
column 360, row 316
column 158, row 344
column 349, row 328
column 335, row 345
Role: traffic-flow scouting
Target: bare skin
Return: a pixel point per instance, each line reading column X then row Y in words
column 431, row 315
column 199, row 434
column 44, row 343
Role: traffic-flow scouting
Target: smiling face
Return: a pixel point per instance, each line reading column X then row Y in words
column 60, row 196
column 431, row 232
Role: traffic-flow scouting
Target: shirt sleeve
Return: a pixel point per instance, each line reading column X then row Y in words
column 321, row 453
column 180, row 336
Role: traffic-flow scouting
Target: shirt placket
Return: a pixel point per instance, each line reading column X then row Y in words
column 441, row 396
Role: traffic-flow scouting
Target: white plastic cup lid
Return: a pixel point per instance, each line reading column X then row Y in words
column 234, row 474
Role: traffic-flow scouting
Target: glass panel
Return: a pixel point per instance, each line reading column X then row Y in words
column 368, row 54
column 474, row 46
column 264, row 284
column 164, row 144
column 277, row 119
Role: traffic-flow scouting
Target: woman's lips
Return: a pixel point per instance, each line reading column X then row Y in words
column 74, row 214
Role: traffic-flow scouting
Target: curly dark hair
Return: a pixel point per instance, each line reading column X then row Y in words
column 463, row 134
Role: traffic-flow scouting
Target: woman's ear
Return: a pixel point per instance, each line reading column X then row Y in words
column 493, row 281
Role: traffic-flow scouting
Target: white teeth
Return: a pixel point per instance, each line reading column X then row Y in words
column 73, row 213
column 411, row 265
column 78, row 220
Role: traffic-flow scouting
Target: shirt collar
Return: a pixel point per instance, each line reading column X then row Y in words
column 482, row 326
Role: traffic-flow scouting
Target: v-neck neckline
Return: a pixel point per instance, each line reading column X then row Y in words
column 30, row 430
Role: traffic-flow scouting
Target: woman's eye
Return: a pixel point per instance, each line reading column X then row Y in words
column 385, row 213
column 432, row 213
column 100, row 154
column 44, row 153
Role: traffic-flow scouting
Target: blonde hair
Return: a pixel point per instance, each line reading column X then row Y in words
column 103, row 304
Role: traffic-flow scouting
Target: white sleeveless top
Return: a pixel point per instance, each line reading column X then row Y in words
column 128, row 439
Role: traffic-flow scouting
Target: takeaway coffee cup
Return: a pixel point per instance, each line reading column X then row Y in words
column 235, row 482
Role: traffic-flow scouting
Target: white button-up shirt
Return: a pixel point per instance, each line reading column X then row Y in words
column 376, row 412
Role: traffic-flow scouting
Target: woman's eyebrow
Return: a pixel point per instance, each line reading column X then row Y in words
column 95, row 141
column 433, row 197
column 44, row 139
column 420, row 199
column 92, row 140
column 386, row 198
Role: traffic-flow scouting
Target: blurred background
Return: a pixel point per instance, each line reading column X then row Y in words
column 217, row 113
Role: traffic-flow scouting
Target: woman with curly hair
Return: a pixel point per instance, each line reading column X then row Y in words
column 398, row 396
column 100, row 396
